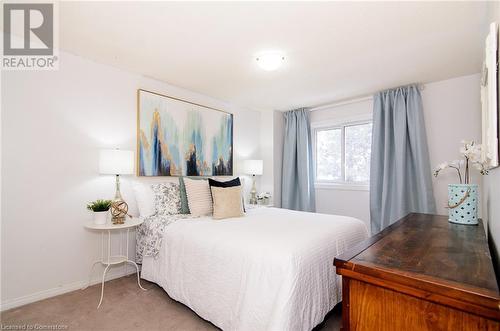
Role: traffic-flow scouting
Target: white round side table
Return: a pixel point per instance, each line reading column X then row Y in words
column 108, row 259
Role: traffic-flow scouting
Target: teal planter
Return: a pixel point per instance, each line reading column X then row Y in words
column 462, row 203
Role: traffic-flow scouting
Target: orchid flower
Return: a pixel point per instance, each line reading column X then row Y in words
column 472, row 156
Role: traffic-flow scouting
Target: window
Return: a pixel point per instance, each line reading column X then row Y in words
column 342, row 153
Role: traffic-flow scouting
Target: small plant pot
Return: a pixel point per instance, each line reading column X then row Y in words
column 101, row 217
column 462, row 204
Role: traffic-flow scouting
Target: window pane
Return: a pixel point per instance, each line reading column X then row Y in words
column 358, row 140
column 329, row 154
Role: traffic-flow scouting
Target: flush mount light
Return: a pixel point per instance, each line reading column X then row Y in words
column 270, row 61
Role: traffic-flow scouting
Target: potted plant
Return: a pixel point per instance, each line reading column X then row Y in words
column 463, row 198
column 100, row 208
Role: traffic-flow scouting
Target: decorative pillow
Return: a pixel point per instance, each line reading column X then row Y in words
column 230, row 183
column 184, row 199
column 199, row 197
column 227, row 202
column 167, row 198
column 144, row 196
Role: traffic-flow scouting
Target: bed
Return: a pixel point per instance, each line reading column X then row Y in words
column 270, row 270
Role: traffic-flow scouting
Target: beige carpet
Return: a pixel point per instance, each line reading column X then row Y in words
column 125, row 307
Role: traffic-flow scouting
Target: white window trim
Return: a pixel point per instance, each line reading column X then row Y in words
column 340, row 123
column 322, row 185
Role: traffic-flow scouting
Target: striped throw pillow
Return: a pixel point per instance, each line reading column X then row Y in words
column 199, row 197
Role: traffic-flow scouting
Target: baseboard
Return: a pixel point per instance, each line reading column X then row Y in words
column 45, row 294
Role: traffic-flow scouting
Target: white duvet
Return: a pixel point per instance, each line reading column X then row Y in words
column 270, row 270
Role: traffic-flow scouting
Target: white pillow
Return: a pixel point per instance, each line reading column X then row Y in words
column 199, row 196
column 144, row 196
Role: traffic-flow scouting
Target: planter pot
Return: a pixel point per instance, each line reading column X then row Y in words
column 101, row 217
column 462, row 203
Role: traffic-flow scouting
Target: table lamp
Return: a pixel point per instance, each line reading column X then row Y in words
column 253, row 167
column 117, row 162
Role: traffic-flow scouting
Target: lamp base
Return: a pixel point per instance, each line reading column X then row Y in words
column 253, row 198
column 253, row 193
column 119, row 208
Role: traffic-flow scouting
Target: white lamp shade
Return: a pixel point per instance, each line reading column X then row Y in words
column 116, row 162
column 253, row 167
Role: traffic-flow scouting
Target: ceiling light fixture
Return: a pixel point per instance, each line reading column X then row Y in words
column 270, row 61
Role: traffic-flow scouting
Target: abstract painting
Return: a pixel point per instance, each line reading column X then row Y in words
column 181, row 138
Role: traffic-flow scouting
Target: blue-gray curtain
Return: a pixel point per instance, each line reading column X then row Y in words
column 400, row 172
column 297, row 183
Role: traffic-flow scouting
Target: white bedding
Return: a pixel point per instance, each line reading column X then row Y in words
column 270, row 270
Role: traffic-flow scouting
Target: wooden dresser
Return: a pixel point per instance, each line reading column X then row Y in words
column 421, row 273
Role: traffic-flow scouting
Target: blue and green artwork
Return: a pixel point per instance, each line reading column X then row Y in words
column 179, row 138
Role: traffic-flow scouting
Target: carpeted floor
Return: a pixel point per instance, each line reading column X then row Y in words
column 125, row 307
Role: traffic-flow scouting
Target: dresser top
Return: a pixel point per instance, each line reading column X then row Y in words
column 421, row 250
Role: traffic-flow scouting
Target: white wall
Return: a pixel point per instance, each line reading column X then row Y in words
column 452, row 112
column 271, row 146
column 267, row 147
column 53, row 125
column 278, row 136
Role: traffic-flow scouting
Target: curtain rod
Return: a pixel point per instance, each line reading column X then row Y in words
column 353, row 100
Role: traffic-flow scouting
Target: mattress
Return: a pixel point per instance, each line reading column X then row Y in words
column 270, row 270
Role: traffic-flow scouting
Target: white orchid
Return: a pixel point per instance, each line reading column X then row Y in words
column 472, row 155
column 481, row 167
column 466, row 142
column 443, row 165
column 440, row 167
column 457, row 163
column 471, row 151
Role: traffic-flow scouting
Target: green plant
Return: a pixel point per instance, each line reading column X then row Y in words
column 99, row 205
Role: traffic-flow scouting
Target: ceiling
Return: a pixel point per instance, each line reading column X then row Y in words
column 334, row 50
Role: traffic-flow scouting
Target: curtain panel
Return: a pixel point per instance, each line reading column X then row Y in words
column 400, row 171
column 297, row 188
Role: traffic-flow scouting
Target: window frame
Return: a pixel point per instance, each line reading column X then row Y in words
column 331, row 125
